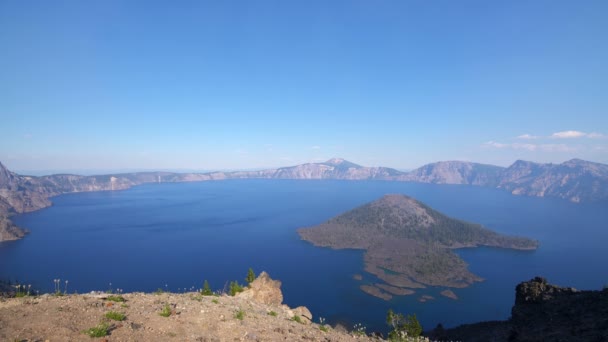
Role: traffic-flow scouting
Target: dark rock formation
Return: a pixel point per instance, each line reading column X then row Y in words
column 542, row 312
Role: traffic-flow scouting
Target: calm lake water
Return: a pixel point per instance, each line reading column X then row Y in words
column 176, row 235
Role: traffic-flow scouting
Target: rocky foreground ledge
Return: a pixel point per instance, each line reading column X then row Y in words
column 253, row 315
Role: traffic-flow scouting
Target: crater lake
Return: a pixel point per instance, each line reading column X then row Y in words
column 173, row 236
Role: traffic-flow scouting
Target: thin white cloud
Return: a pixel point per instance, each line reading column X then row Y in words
column 568, row 134
column 316, row 147
column 527, row 137
column 530, row 147
column 577, row 134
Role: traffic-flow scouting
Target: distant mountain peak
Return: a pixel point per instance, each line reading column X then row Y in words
column 336, row 161
column 343, row 163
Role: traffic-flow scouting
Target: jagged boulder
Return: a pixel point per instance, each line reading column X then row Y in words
column 538, row 290
column 264, row 290
column 304, row 315
column 542, row 312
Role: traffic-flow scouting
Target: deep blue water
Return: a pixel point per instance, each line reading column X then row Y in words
column 176, row 235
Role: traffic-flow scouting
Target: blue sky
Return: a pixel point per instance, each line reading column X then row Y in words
column 251, row 84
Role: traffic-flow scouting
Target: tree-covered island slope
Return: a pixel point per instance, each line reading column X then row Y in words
column 408, row 244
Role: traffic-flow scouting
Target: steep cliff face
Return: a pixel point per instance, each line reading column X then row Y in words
column 335, row 168
column 456, row 172
column 575, row 180
column 8, row 231
column 7, row 178
column 543, row 312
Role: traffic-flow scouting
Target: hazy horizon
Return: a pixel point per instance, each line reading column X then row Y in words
column 245, row 85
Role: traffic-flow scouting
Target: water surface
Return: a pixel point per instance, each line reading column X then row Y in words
column 174, row 236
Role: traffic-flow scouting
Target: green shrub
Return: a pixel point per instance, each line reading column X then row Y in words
column 206, row 291
column 402, row 326
column 297, row 318
column 116, row 298
column 100, row 330
column 250, row 276
column 235, row 288
column 239, row 314
column 166, row 311
column 273, row 314
column 117, row 316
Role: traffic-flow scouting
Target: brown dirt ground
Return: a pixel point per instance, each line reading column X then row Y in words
column 193, row 318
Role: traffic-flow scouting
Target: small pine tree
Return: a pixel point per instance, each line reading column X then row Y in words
column 402, row 326
column 235, row 288
column 412, row 326
column 250, row 276
column 206, row 291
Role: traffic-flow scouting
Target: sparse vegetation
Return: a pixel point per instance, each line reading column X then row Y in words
column 116, row 298
column 272, row 313
column 166, row 311
column 116, row 316
column 206, row 291
column 239, row 314
column 322, row 325
column 235, row 288
column 359, row 330
column 215, row 301
column 159, row 291
column 100, row 330
column 23, row 291
column 403, row 327
column 58, row 292
column 250, row 276
column 297, row 318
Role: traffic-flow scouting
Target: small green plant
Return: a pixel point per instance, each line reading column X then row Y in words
column 272, row 313
column 123, row 305
column 359, row 330
column 159, row 291
column 116, row 316
column 100, row 330
column 297, row 318
column 403, row 327
column 215, row 301
column 250, row 276
column 235, row 288
column 58, row 292
column 206, row 291
column 116, row 298
column 322, row 325
column 239, row 314
column 166, row 311
column 23, row 291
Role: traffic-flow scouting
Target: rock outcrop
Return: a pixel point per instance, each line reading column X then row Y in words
column 264, row 290
column 542, row 312
column 8, row 231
